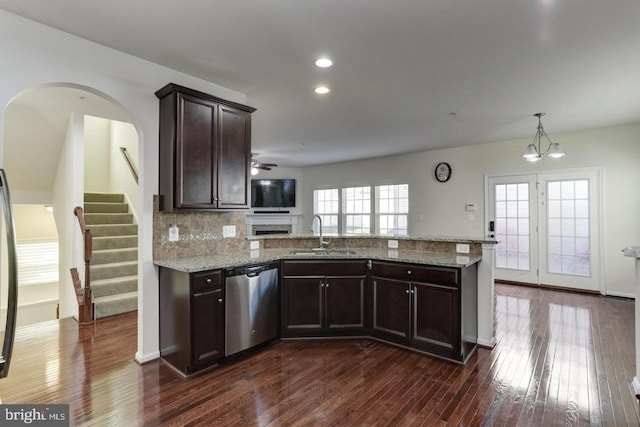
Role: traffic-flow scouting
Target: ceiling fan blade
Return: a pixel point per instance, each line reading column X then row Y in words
column 258, row 165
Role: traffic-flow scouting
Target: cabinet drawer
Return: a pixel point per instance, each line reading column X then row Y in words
column 324, row 268
column 205, row 281
column 416, row 273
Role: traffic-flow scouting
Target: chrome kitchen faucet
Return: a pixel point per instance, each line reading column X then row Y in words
column 323, row 243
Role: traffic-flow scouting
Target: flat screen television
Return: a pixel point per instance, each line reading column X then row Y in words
column 273, row 193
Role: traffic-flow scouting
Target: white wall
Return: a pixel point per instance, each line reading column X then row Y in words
column 442, row 205
column 67, row 194
column 97, row 157
column 34, row 222
column 120, row 178
column 105, row 168
column 34, row 55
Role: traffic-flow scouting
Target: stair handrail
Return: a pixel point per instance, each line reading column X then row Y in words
column 84, row 294
column 132, row 167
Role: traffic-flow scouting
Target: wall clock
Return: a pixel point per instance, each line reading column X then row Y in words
column 443, row 172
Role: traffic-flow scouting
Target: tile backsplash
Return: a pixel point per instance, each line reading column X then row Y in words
column 200, row 233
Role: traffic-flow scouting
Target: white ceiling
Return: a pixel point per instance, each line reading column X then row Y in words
column 401, row 68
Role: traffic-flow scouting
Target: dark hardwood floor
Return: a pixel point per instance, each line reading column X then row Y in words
column 560, row 359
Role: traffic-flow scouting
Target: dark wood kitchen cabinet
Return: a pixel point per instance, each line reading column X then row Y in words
column 191, row 319
column 390, row 310
column 205, row 151
column 323, row 298
column 430, row 308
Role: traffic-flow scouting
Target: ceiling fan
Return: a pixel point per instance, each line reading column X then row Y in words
column 255, row 166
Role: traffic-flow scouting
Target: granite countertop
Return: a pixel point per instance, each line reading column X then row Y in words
column 212, row 262
column 632, row 251
column 374, row 236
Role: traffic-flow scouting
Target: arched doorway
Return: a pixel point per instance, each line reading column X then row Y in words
column 44, row 147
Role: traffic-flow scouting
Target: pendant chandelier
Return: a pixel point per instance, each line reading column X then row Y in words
column 534, row 152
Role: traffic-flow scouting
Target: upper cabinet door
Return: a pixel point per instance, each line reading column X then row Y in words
column 205, row 151
column 195, row 154
column 234, row 154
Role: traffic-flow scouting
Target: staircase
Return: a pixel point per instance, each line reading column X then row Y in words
column 114, row 263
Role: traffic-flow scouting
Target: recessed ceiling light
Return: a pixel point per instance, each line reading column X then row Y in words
column 324, row 62
column 322, row 90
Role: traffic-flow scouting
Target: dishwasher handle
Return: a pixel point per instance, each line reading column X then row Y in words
column 249, row 271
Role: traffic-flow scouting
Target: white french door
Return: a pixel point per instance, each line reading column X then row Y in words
column 512, row 207
column 570, row 233
column 548, row 227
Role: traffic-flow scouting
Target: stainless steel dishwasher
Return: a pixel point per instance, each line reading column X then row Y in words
column 251, row 306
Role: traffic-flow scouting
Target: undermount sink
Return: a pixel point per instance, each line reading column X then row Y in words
column 322, row 251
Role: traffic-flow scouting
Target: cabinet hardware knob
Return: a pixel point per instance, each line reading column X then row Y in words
column 326, row 284
column 409, row 272
column 412, row 291
column 209, row 280
column 322, row 285
column 220, row 300
column 407, row 291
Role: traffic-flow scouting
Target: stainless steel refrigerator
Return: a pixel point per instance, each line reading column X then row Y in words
column 12, row 294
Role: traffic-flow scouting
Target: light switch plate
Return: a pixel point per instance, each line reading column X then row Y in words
column 174, row 233
column 462, row 259
column 228, row 231
column 254, row 244
column 392, row 244
column 462, row 248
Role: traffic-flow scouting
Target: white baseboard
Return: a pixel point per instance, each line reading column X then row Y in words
column 487, row 343
column 142, row 359
column 635, row 385
column 621, row 294
column 132, row 210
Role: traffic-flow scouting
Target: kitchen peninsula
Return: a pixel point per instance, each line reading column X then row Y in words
column 355, row 287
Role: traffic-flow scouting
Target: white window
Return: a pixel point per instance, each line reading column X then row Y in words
column 37, row 262
column 356, row 210
column 392, row 209
column 327, row 205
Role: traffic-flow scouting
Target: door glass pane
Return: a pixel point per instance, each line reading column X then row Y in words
column 568, row 239
column 512, row 226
